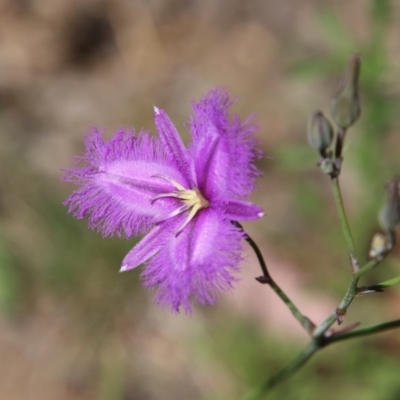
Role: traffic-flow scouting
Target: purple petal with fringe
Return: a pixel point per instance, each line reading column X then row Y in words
column 182, row 197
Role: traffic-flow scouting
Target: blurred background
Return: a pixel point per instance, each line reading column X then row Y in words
column 71, row 326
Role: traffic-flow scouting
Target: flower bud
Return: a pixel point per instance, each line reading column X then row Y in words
column 320, row 132
column 389, row 215
column 378, row 245
column 345, row 104
column 381, row 244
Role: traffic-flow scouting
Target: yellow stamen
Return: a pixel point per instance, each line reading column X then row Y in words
column 192, row 198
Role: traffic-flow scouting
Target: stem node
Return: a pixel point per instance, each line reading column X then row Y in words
column 264, row 279
column 340, row 313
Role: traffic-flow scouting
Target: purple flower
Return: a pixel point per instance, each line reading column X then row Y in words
column 182, row 198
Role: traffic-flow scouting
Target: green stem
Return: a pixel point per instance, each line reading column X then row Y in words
column 258, row 253
column 287, row 372
column 304, row 321
column 344, row 222
column 319, row 338
column 325, row 325
column 267, row 279
column 316, row 342
column 340, row 311
column 347, row 299
column 367, row 267
column 368, row 330
column 350, row 294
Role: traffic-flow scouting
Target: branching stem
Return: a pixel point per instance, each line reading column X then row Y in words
column 321, row 336
column 368, row 330
column 266, row 278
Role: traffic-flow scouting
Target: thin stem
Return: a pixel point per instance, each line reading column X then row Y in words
column 286, row 372
column 319, row 337
column 350, row 293
column 338, row 315
column 318, row 341
column 257, row 251
column 305, row 322
column 367, row 267
column 267, row 279
column 368, row 330
column 347, row 299
column 325, row 325
column 344, row 222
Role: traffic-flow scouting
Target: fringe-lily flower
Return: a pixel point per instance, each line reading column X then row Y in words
column 182, row 198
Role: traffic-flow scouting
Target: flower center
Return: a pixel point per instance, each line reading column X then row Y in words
column 192, row 200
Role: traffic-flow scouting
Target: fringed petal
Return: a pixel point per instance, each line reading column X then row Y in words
column 173, row 143
column 197, row 264
column 237, row 142
column 118, row 183
column 239, row 210
column 211, row 159
column 148, row 246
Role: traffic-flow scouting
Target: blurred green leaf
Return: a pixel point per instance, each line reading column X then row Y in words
column 390, row 282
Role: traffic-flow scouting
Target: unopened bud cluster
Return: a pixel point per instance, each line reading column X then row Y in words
column 389, row 215
column 389, row 218
column 320, row 133
column 345, row 110
column 345, row 105
column 381, row 244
